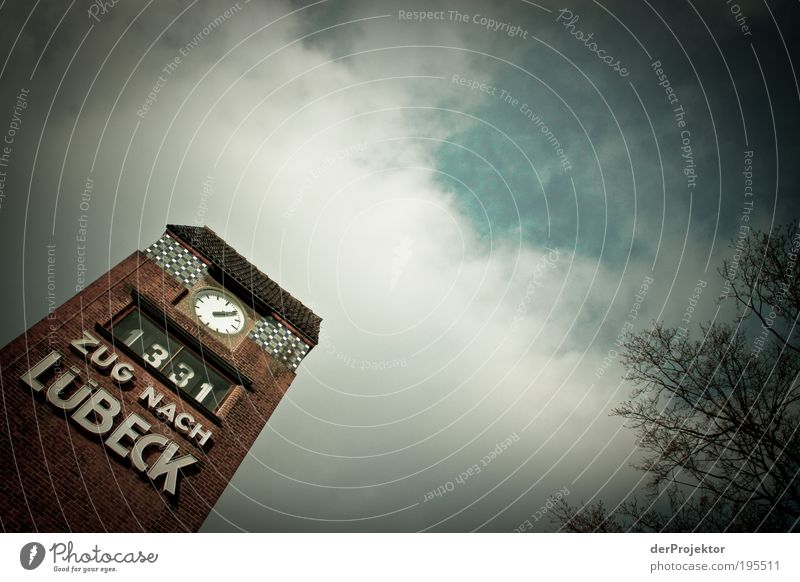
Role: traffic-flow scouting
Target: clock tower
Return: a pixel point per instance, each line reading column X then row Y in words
column 130, row 407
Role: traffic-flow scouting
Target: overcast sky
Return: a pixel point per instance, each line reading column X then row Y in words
column 471, row 201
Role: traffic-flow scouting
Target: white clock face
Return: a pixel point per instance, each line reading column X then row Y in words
column 219, row 311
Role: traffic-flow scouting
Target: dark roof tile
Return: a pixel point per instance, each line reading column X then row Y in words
column 212, row 247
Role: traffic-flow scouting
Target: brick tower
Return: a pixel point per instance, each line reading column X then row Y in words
column 130, row 407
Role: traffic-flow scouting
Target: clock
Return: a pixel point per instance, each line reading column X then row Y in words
column 219, row 311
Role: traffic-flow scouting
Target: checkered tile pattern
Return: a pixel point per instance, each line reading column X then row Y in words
column 171, row 256
column 275, row 338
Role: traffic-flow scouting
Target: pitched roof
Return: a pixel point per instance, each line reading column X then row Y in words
column 233, row 265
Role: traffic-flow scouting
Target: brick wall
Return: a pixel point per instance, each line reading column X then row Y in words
column 56, row 477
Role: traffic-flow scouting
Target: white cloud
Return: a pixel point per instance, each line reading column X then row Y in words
column 434, row 336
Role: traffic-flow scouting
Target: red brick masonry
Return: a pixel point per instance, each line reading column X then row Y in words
column 55, row 476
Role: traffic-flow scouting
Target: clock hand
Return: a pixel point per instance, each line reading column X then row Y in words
column 223, row 313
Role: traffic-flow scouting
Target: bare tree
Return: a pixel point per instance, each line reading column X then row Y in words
column 718, row 417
